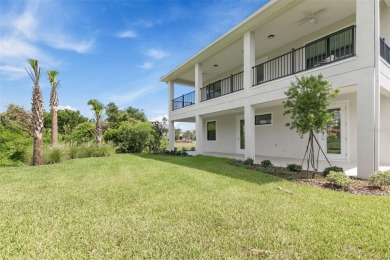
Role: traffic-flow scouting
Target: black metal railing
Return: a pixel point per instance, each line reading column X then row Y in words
column 184, row 101
column 223, row 87
column 385, row 50
column 331, row 48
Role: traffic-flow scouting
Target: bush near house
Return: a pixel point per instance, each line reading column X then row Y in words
column 294, row 167
column 332, row 169
column 380, row 179
column 339, row 179
column 266, row 163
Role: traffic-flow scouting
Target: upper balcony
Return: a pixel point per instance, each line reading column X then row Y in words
column 331, row 48
column 385, row 51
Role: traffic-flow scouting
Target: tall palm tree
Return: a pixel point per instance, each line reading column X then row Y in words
column 37, row 111
column 52, row 74
column 97, row 109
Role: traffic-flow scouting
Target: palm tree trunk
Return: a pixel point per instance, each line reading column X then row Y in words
column 54, row 126
column 98, row 133
column 37, row 150
column 37, row 119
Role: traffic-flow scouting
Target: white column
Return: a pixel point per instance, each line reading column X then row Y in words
column 171, row 94
column 198, row 82
column 368, row 89
column 199, row 134
column 250, row 137
column 171, row 135
column 249, row 59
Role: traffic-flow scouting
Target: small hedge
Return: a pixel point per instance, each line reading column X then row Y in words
column 266, row 163
column 332, row 169
column 339, row 179
column 380, row 179
column 294, row 167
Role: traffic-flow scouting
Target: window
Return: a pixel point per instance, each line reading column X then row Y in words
column 211, row 131
column 333, row 140
column 265, row 119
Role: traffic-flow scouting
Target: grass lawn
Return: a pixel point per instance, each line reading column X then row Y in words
column 147, row 206
column 180, row 145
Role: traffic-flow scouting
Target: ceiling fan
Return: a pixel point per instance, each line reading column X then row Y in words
column 312, row 18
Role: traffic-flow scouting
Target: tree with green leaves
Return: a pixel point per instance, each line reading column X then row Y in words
column 52, row 74
column 37, row 111
column 97, row 109
column 68, row 120
column 307, row 103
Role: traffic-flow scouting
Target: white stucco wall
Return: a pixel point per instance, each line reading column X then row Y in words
column 226, row 135
column 277, row 139
column 385, row 22
column 385, row 131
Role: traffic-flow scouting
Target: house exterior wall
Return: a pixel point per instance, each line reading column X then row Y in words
column 363, row 80
column 384, row 22
column 385, row 131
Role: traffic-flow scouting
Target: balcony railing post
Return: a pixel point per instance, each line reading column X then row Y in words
column 182, row 101
column 231, row 83
column 292, row 61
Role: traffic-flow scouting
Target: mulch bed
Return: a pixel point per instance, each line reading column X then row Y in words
column 358, row 186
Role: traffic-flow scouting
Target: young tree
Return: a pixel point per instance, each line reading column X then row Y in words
column 37, row 111
column 52, row 74
column 307, row 103
column 97, row 109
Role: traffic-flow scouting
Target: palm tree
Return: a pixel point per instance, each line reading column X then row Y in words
column 97, row 109
column 52, row 74
column 37, row 111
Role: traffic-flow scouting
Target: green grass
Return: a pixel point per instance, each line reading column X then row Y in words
column 145, row 206
column 188, row 146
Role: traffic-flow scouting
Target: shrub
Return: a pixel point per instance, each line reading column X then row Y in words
column 294, row 167
column 53, row 155
column 339, row 179
column 248, row 161
column 192, row 148
column 83, row 133
column 13, row 146
column 332, row 169
column 236, row 162
column 380, row 179
column 130, row 138
column 266, row 163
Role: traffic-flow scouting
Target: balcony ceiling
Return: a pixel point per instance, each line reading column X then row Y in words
column 284, row 24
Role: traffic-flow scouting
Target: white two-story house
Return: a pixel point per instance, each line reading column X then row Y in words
column 237, row 84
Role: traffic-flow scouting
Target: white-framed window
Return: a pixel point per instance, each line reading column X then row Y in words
column 263, row 119
column 212, row 131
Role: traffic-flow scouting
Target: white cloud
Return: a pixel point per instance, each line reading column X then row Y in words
column 127, row 34
column 146, row 65
column 130, row 96
column 156, row 53
column 67, row 107
column 12, row 72
column 159, row 118
column 26, row 33
column 144, row 23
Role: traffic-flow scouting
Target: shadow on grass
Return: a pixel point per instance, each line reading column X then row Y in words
column 215, row 165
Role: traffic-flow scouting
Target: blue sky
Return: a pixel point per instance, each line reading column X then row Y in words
column 114, row 51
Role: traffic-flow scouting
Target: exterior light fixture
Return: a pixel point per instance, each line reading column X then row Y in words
column 271, row 36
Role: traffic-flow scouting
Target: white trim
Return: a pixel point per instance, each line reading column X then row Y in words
column 216, row 127
column 265, row 113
